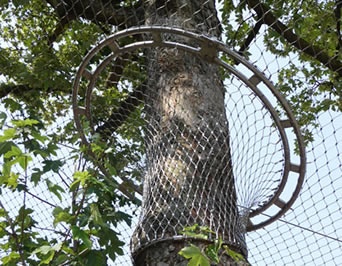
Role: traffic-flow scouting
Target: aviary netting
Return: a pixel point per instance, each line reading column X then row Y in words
column 205, row 113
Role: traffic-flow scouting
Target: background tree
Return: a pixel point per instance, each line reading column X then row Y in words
column 42, row 43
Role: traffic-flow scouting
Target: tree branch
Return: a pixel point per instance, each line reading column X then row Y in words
column 123, row 111
column 116, row 70
column 108, row 12
column 7, row 89
column 313, row 51
column 251, row 35
column 21, row 89
column 60, row 28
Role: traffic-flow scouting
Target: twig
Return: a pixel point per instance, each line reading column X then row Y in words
column 40, row 199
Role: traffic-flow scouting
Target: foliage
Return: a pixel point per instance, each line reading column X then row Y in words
column 311, row 36
column 91, row 217
column 35, row 86
column 211, row 253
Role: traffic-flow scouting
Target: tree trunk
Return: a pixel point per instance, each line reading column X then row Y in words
column 189, row 179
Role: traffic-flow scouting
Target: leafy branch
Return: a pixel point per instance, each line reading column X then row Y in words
column 13, row 234
column 211, row 253
column 268, row 18
column 85, row 221
column 106, row 12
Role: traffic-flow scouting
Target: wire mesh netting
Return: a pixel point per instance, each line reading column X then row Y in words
column 126, row 123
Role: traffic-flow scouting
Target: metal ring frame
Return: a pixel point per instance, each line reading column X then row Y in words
column 209, row 49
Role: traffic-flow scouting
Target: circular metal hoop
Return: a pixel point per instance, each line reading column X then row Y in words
column 211, row 50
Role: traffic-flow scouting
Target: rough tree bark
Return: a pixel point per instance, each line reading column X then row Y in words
column 189, row 179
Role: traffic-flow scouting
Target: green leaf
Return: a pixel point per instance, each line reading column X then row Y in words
column 14, row 152
column 195, row 256
column 234, row 255
column 8, row 134
column 6, row 170
column 24, row 216
column 197, row 231
column 95, row 214
column 17, row 3
column 61, row 259
column 12, row 180
column 36, row 176
column 109, row 238
column 39, row 137
column 25, row 122
column 79, row 234
column 3, row 213
column 52, row 165
column 3, row 118
column 124, row 216
column 48, row 259
column 61, row 215
column 46, row 249
column 6, row 146
column 43, row 250
column 11, row 104
column 74, row 185
column 79, row 178
column 55, row 189
column 96, row 257
column 11, row 259
column 18, row 157
column 25, row 211
column 213, row 253
column 23, row 160
column 195, row 235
